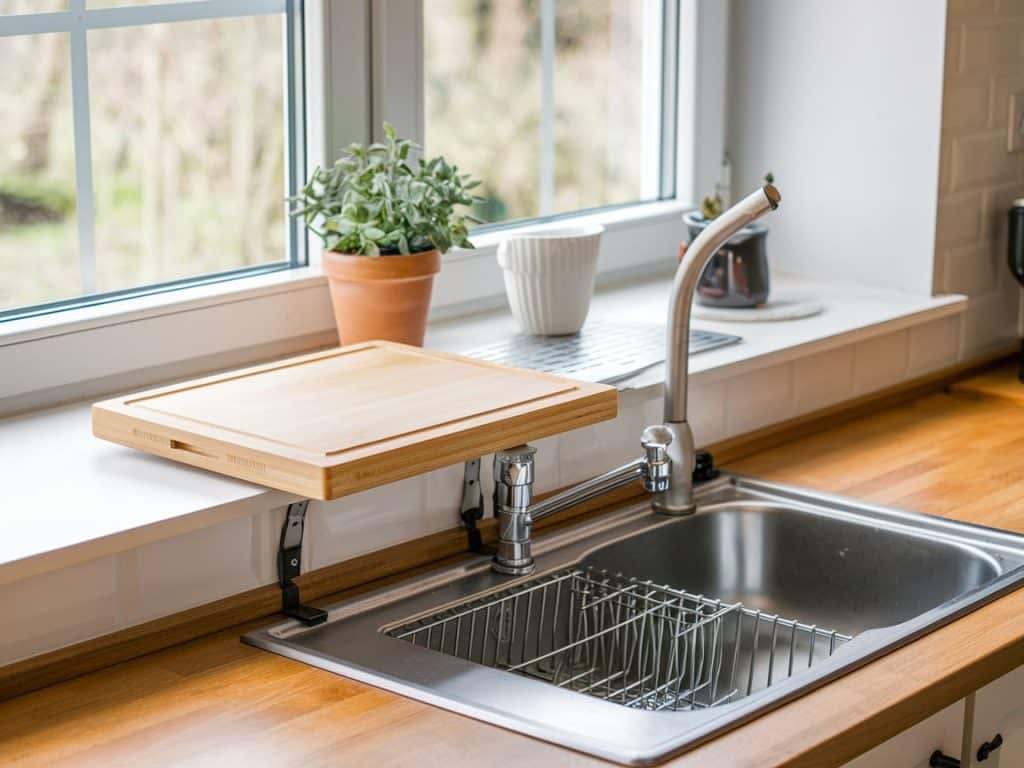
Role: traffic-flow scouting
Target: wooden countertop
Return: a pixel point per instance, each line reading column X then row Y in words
column 215, row 702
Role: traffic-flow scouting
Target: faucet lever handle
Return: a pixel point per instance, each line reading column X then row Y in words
column 514, row 466
column 655, row 441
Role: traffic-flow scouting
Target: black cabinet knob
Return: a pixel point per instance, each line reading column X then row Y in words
column 989, row 747
column 940, row 760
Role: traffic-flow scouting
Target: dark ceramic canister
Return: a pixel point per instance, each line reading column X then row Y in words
column 1015, row 238
column 1015, row 256
column 737, row 275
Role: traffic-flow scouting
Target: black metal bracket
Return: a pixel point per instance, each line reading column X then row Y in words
column 289, row 559
column 985, row 750
column 471, row 510
column 940, row 760
column 704, row 467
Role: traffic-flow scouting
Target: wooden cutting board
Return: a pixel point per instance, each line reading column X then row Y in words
column 332, row 423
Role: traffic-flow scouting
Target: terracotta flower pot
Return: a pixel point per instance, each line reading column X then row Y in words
column 385, row 298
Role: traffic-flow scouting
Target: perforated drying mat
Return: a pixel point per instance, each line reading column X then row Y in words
column 601, row 352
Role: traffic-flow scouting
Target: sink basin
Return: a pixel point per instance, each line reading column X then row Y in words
column 641, row 636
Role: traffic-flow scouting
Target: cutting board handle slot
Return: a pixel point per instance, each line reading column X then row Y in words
column 177, row 445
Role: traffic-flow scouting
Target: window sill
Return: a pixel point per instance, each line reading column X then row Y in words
column 157, row 305
column 111, row 499
column 852, row 313
column 138, row 342
column 625, row 219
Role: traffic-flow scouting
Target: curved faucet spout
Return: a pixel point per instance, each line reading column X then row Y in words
column 679, row 498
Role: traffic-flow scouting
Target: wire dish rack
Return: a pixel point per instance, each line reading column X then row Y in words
column 626, row 641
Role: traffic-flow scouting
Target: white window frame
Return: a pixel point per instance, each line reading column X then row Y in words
column 640, row 238
column 76, row 21
column 363, row 61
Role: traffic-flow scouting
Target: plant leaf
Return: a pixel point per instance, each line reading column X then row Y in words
column 370, row 200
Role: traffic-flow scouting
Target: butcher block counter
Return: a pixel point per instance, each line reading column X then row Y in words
column 216, row 702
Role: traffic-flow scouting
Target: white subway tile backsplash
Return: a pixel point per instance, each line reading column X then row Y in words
column 354, row 525
column 49, row 611
column 443, row 497
column 547, row 469
column 188, row 570
column 934, row 345
column 880, row 362
column 706, row 411
column 588, row 451
column 759, row 398
column 822, row 380
column 175, row 574
column 266, row 539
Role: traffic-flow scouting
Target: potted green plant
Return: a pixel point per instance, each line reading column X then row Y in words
column 384, row 221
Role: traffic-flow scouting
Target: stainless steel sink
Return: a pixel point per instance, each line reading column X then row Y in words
column 641, row 636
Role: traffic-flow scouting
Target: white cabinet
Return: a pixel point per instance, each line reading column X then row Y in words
column 911, row 749
column 999, row 709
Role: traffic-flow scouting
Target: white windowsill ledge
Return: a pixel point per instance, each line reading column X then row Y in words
column 136, row 343
column 70, row 497
column 624, row 219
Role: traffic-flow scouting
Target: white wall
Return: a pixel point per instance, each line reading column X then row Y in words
column 842, row 101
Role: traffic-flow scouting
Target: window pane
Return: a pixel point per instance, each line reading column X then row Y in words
column 38, row 229
column 188, row 148
column 594, row 141
column 599, row 90
column 469, row 49
column 31, row 6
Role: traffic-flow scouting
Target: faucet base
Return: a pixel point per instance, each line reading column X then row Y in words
column 678, row 498
column 513, row 569
column 673, row 511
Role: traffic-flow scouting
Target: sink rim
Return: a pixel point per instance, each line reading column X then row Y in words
column 470, row 689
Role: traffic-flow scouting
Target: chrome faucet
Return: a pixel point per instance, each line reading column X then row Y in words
column 677, row 499
column 666, row 467
column 513, row 494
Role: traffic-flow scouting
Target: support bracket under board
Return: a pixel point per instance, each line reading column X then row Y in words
column 289, row 559
column 471, row 511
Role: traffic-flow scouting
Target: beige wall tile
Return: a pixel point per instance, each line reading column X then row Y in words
column 970, row 8
column 881, row 362
column 984, row 51
column 965, row 107
column 1010, row 7
column 999, row 108
column 992, row 48
column 971, row 269
column 959, row 219
column 981, row 160
column 820, row 380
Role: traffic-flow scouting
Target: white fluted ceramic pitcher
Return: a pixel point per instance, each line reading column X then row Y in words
column 549, row 277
